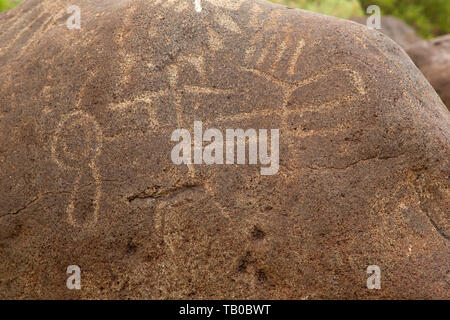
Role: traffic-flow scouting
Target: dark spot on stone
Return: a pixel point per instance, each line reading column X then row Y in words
column 131, row 247
column 257, row 233
column 243, row 262
column 261, row 275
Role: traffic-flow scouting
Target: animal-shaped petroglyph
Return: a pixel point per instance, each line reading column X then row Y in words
column 289, row 87
column 76, row 146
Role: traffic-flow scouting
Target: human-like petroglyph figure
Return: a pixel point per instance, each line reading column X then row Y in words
column 76, row 147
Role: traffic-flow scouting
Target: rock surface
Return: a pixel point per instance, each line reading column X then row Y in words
column 86, row 177
column 433, row 59
column 396, row 29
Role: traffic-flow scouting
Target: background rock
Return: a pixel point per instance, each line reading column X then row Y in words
column 395, row 29
column 86, row 177
column 433, row 59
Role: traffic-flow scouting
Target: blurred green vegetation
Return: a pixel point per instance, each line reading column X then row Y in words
column 337, row 8
column 7, row 4
column 429, row 17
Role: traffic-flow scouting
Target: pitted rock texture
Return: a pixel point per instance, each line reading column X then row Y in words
column 86, row 177
column 433, row 59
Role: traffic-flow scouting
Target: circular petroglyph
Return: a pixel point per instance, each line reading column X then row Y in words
column 76, row 146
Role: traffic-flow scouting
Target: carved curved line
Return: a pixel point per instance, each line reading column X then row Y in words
column 95, row 172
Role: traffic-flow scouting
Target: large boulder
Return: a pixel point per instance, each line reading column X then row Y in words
column 433, row 59
column 396, row 29
column 87, row 178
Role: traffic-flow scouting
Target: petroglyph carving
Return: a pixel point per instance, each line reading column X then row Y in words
column 273, row 57
column 255, row 11
column 227, row 4
column 180, row 5
column 288, row 89
column 215, row 42
column 175, row 90
column 227, row 22
column 362, row 169
column 294, row 58
column 76, row 146
column 197, row 61
column 177, row 5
